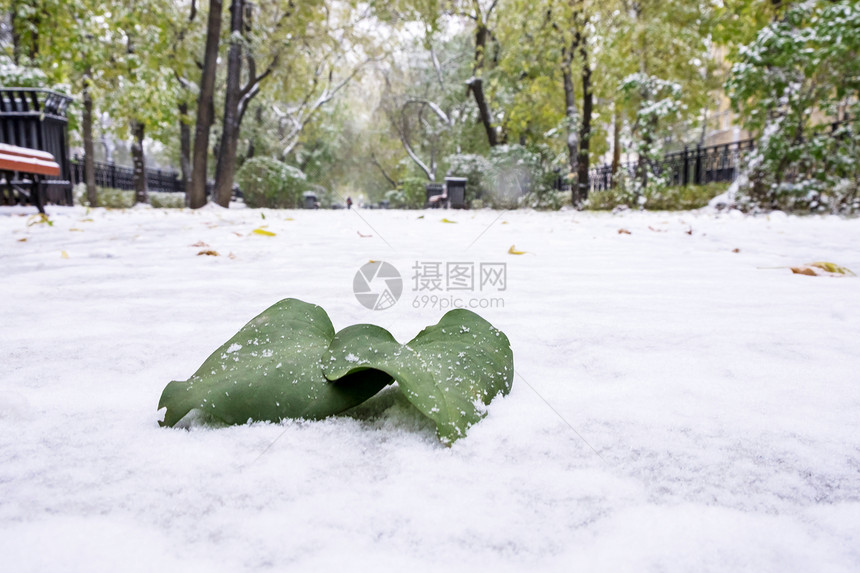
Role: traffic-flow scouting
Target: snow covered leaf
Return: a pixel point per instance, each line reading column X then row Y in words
column 263, row 232
column 450, row 371
column 270, row 370
column 208, row 252
column 822, row 269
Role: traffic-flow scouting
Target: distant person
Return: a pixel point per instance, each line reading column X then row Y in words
column 349, row 202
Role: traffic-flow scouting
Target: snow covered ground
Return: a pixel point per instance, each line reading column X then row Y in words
column 678, row 406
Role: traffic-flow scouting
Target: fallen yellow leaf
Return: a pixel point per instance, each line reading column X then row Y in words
column 22, row 240
column 289, row 219
column 513, row 251
column 208, row 252
column 822, row 269
column 448, row 221
column 833, row 268
column 64, row 254
column 263, row 232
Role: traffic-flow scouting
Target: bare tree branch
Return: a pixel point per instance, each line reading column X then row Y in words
column 382, row 169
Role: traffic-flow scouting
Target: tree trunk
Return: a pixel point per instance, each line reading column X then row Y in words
column 89, row 147
column 616, row 144
column 138, row 162
column 585, row 126
column 226, row 168
column 196, row 193
column 16, row 33
column 571, row 113
column 28, row 26
column 476, row 84
column 184, row 146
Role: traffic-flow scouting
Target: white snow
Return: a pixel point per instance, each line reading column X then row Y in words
column 676, row 407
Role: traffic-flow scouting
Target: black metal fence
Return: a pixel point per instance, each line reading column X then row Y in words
column 692, row 166
column 121, row 177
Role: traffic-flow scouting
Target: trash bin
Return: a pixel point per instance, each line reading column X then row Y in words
column 310, row 200
column 433, row 190
column 456, row 192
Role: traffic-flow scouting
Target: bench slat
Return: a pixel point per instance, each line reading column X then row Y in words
column 28, row 165
column 25, row 152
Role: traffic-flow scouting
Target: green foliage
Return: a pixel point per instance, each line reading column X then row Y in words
column 161, row 200
column 515, row 171
column 450, row 371
column 270, row 371
column 12, row 74
column 510, row 173
column 655, row 198
column 288, row 363
column 801, row 73
column 411, row 194
column 475, row 168
column 119, row 199
column 267, row 182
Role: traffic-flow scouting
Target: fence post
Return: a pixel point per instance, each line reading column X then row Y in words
column 697, row 177
column 112, row 174
column 685, row 179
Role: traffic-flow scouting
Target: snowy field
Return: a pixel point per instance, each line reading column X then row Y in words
column 678, row 405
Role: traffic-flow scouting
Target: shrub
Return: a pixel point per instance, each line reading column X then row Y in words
column 107, row 197
column 413, row 193
column 656, row 198
column 161, row 200
column 267, row 182
column 119, row 199
column 475, row 168
column 803, row 63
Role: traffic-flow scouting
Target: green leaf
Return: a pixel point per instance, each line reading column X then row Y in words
column 270, row 370
column 450, row 371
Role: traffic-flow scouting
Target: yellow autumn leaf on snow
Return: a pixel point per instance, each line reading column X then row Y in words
column 448, row 221
column 64, row 254
column 263, row 232
column 513, row 251
column 822, row 269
